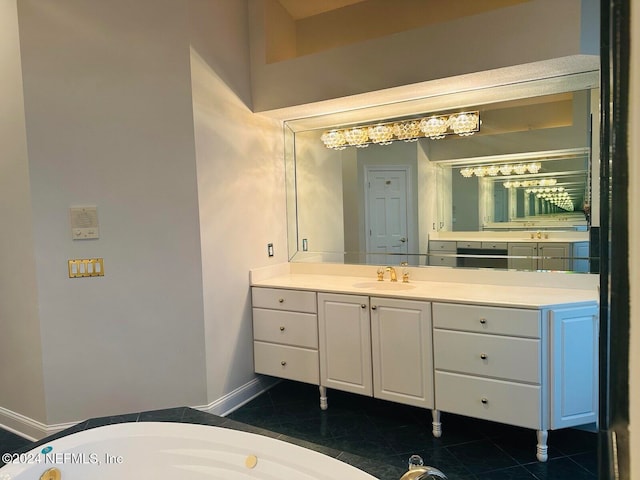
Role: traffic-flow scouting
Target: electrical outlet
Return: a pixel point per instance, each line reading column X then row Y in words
column 270, row 249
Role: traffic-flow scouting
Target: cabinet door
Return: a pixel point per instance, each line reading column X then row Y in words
column 557, row 256
column 580, row 256
column 525, row 250
column 345, row 343
column 402, row 351
column 574, row 366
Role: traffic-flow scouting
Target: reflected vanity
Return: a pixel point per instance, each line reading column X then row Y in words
column 515, row 194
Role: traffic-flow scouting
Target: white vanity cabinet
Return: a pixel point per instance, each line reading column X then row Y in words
column 285, row 334
column 529, row 368
column 345, row 343
column 527, row 363
column 401, row 338
column 374, row 346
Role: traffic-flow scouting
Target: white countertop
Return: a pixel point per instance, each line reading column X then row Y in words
column 511, row 237
column 487, row 294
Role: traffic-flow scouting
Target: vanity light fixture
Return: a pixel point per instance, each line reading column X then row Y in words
column 505, row 169
column 543, row 182
column 434, row 127
column 408, row 131
column 465, row 123
column 334, row 139
column 357, row 137
column 381, row 134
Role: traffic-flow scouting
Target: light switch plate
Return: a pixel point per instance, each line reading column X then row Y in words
column 86, row 267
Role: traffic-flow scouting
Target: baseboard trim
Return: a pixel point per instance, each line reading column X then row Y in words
column 240, row 396
column 22, row 425
column 34, row 430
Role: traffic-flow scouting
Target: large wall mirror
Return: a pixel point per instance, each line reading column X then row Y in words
column 507, row 184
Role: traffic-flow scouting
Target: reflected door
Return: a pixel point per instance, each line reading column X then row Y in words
column 386, row 216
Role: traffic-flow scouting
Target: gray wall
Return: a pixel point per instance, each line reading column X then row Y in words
column 535, row 30
column 141, row 109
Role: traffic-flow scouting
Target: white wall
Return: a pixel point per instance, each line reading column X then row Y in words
column 21, row 375
column 240, row 190
column 109, row 122
column 634, row 241
column 319, row 186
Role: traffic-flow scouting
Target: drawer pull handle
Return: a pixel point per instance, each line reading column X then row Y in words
column 374, row 307
column 484, row 400
column 281, row 300
column 282, row 328
column 363, row 305
column 483, row 321
column 483, row 356
column 283, row 363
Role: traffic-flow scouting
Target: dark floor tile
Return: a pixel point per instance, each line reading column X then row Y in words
column 191, row 415
column 482, row 456
column 376, row 468
column 164, row 415
column 589, row 461
column 366, row 444
column 522, row 446
column 12, row 443
column 559, row 469
column 571, row 441
column 407, row 439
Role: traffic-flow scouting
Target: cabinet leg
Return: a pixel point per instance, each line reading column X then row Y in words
column 437, row 426
column 541, row 452
column 324, row 404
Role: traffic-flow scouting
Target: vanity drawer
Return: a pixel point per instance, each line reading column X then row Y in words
column 494, row 356
column 495, row 246
column 468, row 244
column 282, row 361
column 283, row 299
column 516, row 322
column 290, row 328
column 495, row 400
column 442, row 246
column 437, row 261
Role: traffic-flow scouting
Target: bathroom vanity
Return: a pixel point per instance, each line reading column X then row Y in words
column 518, row 250
column 518, row 348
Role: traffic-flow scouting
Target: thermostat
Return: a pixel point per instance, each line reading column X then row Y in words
column 84, row 222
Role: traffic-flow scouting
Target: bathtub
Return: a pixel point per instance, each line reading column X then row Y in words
column 180, row 451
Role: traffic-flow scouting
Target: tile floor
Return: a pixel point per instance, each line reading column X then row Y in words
column 388, row 433
column 379, row 436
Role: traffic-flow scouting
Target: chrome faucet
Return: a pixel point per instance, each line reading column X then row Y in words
column 392, row 273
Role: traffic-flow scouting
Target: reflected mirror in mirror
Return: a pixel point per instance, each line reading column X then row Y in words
column 513, row 190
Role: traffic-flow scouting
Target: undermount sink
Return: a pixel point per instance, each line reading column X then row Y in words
column 384, row 285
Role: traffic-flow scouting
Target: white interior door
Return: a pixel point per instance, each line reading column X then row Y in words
column 386, row 215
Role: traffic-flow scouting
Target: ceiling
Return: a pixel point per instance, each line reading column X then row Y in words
column 299, row 9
